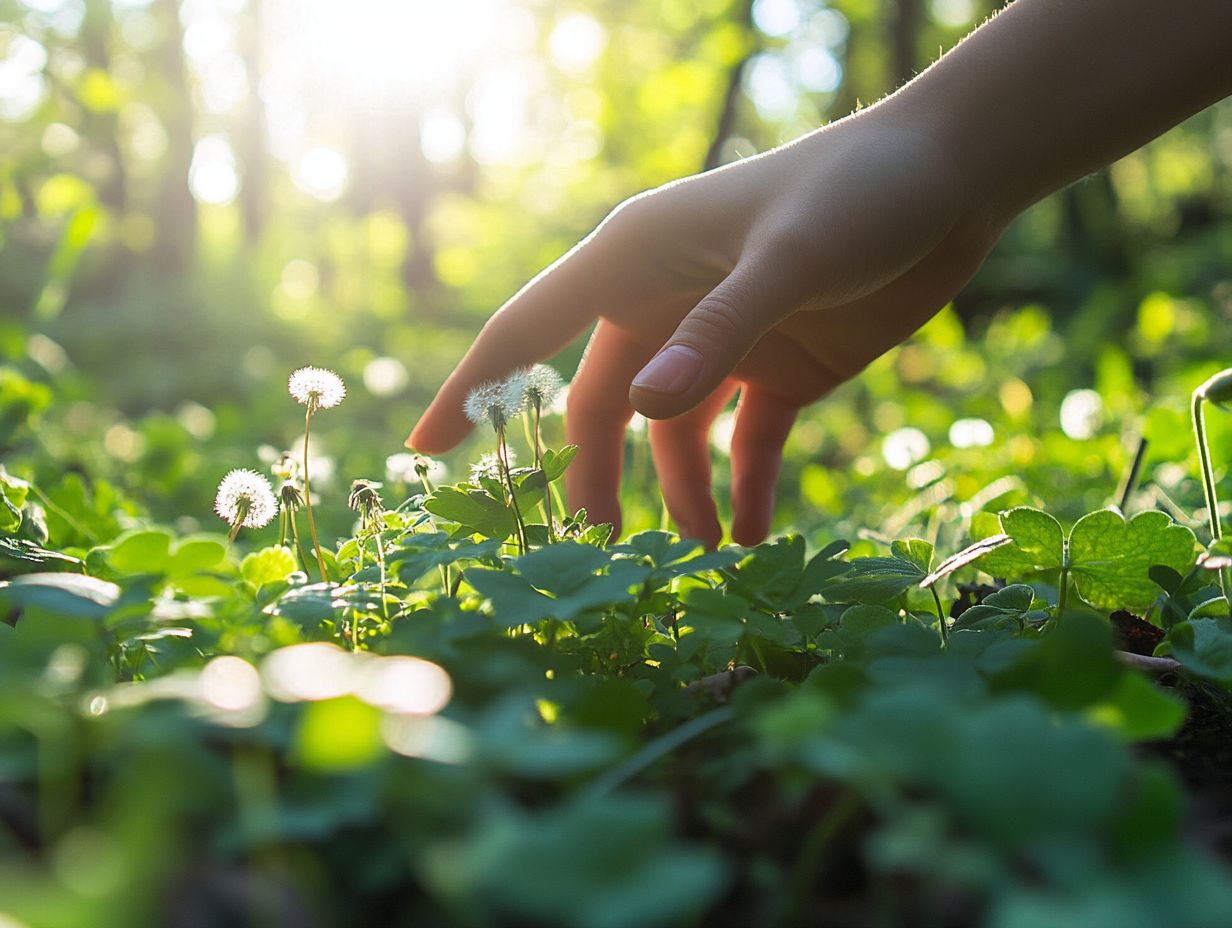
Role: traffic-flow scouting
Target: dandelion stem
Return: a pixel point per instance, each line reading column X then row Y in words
column 299, row 545
column 945, row 632
column 503, row 452
column 443, row 568
column 312, row 522
column 548, row 514
column 1208, row 482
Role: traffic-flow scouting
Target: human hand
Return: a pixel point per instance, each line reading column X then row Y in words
column 778, row 277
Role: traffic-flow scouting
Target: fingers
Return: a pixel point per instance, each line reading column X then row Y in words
column 598, row 413
column 712, row 339
column 540, row 320
column 763, row 422
column 681, row 450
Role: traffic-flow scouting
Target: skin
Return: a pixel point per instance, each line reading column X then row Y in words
column 779, row 277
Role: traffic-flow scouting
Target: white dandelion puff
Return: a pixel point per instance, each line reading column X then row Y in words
column 489, row 466
column 404, row 467
column 316, row 387
column 541, row 384
column 245, row 498
column 497, row 402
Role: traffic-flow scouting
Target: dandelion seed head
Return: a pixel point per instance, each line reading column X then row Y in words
column 245, row 496
column 405, row 467
column 497, row 402
column 317, row 387
column 489, row 466
column 541, row 384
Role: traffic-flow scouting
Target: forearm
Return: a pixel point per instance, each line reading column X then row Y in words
column 1051, row 90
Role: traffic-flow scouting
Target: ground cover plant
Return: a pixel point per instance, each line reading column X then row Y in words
column 479, row 709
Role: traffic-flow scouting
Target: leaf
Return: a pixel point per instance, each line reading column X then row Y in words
column 915, row 550
column 29, row 555
column 1111, row 559
column 476, row 511
column 141, row 552
column 874, row 580
column 67, row 594
column 1009, row 607
column 563, row 567
column 267, row 565
column 13, row 493
column 1138, row 710
column 555, row 462
column 1038, row 545
column 1204, row 647
column 964, row 557
column 194, row 555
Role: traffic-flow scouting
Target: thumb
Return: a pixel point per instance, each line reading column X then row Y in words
column 708, row 344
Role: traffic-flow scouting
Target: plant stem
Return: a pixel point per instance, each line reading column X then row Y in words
column 1131, row 478
column 503, row 455
column 1064, row 591
column 1208, row 484
column 303, row 555
column 312, row 522
column 945, row 632
column 444, row 568
column 241, row 511
column 547, row 487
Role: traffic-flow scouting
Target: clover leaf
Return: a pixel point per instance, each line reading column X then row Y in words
column 1111, row 558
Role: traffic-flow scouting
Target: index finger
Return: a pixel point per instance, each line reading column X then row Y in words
column 539, row 321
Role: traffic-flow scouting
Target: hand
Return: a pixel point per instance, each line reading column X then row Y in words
column 778, row 277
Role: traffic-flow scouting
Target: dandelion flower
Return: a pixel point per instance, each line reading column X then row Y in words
column 317, row 387
column 292, row 496
column 365, row 499
column 489, row 466
column 541, row 383
column 246, row 499
column 498, row 402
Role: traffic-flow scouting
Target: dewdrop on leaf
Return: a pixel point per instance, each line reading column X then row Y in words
column 316, row 387
column 245, row 498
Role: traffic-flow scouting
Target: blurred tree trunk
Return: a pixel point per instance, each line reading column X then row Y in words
column 99, row 124
column 176, row 210
column 904, row 40
column 726, row 124
column 251, row 141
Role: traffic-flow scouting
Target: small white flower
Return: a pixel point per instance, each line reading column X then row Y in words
column 498, row 402
column 247, row 497
column 317, row 387
column 489, row 466
column 541, row 383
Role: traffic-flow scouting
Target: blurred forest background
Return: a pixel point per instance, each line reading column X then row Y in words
column 197, row 196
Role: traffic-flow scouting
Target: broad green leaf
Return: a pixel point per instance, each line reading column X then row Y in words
column 194, row 555
column 267, row 565
column 874, row 580
column 555, row 462
column 1038, row 545
column 1204, row 647
column 563, row 567
column 142, row 552
column 1138, row 710
column 916, row 550
column 1111, row 559
column 68, row 594
column 20, row 556
column 477, row 511
column 1008, row 608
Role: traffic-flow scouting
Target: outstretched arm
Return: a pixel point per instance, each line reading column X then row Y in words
column 785, row 274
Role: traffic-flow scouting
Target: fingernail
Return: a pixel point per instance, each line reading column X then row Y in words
column 672, row 370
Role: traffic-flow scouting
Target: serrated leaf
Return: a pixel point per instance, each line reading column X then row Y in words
column 1111, row 559
column 1038, row 545
column 874, row 580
